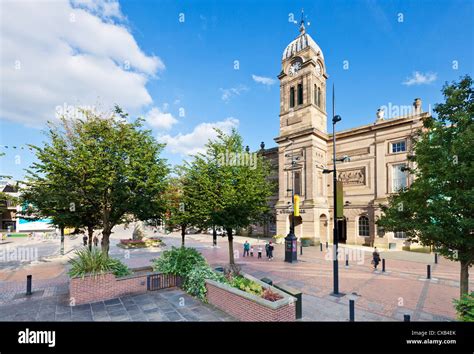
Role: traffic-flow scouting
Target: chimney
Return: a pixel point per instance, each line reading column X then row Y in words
column 417, row 106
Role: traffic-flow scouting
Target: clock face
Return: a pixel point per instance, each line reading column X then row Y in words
column 319, row 70
column 294, row 68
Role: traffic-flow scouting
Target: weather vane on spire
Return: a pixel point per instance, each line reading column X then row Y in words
column 302, row 23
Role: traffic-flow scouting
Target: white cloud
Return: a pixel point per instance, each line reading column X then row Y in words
column 227, row 94
column 263, row 80
column 193, row 143
column 160, row 120
column 54, row 53
column 418, row 78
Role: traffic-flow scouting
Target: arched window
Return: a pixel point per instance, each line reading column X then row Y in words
column 300, row 93
column 364, row 226
column 292, row 97
column 319, row 97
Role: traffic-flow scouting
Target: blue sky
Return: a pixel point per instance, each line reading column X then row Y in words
column 174, row 62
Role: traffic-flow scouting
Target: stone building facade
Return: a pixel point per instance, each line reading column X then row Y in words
column 377, row 152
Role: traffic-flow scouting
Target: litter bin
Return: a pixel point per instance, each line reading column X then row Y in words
column 267, row 280
column 295, row 293
column 219, row 269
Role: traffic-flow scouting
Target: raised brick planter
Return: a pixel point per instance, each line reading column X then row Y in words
column 107, row 286
column 249, row 307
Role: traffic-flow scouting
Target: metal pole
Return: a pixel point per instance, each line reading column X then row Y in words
column 406, row 318
column 320, row 246
column 428, row 271
column 351, row 311
column 347, row 260
column 28, row 284
column 436, row 258
column 301, row 248
column 383, row 264
column 334, row 179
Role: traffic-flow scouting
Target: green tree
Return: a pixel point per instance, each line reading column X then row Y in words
column 227, row 186
column 438, row 208
column 98, row 171
column 180, row 209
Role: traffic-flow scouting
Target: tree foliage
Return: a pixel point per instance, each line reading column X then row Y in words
column 97, row 172
column 224, row 188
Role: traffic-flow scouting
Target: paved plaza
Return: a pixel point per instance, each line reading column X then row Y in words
column 402, row 289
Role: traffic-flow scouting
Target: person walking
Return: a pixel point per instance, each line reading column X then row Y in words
column 270, row 251
column 375, row 258
column 251, row 251
column 96, row 241
column 84, row 239
column 266, row 249
column 246, row 248
column 259, row 252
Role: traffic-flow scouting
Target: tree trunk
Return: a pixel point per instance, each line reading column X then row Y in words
column 90, row 232
column 230, row 238
column 62, row 240
column 183, row 234
column 214, row 236
column 105, row 241
column 464, row 283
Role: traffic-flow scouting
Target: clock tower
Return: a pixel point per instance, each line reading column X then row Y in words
column 302, row 142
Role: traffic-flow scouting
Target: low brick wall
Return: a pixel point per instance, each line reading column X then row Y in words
column 249, row 307
column 107, row 286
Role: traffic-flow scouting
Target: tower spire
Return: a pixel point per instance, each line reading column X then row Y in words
column 302, row 28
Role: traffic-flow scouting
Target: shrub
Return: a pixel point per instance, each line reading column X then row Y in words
column 245, row 284
column 94, row 263
column 195, row 283
column 465, row 307
column 179, row 261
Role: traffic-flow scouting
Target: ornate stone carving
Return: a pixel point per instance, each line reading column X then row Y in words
column 353, row 177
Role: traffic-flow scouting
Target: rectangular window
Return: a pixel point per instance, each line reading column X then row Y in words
column 297, row 176
column 292, row 97
column 399, row 146
column 364, row 229
column 399, row 234
column 316, row 95
column 300, row 93
column 399, row 178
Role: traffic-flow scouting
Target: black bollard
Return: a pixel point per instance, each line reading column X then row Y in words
column 28, row 284
column 351, row 311
column 383, row 264
column 301, row 248
column 320, row 246
column 428, row 272
column 406, row 318
column 326, row 245
column 347, row 260
column 436, row 258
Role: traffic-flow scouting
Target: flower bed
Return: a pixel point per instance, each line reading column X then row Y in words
column 143, row 243
column 272, row 305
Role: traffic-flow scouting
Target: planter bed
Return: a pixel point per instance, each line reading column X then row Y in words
column 106, row 286
column 248, row 307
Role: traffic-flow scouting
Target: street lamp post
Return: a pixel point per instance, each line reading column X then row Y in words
column 335, row 230
column 290, row 239
column 335, row 119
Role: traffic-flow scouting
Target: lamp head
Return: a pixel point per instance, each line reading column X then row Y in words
column 336, row 119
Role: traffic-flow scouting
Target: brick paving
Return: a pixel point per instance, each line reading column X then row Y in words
column 402, row 289
column 163, row 305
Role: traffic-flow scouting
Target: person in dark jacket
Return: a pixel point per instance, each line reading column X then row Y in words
column 84, row 239
column 266, row 249
column 270, row 251
column 375, row 258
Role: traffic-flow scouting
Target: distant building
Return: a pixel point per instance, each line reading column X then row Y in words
column 8, row 208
